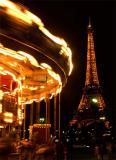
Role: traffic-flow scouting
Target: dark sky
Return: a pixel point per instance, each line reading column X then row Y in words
column 69, row 19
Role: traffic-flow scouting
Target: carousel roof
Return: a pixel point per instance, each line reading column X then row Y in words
column 30, row 55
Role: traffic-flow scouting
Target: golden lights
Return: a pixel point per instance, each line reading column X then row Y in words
column 55, row 76
column 32, row 60
column 20, row 116
column 8, row 117
column 25, row 57
column 8, row 114
column 45, row 65
column 14, row 10
column 91, row 70
column 94, row 100
column 91, row 76
column 102, row 118
column 28, row 17
column 20, row 55
column 0, row 108
column 47, row 125
column 52, row 73
column 1, row 94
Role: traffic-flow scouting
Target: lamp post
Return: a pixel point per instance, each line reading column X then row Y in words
column 94, row 100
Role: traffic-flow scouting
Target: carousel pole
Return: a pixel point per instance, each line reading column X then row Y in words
column 47, row 116
column 55, row 100
column 24, row 121
column 59, row 110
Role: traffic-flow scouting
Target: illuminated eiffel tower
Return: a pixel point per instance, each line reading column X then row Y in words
column 92, row 100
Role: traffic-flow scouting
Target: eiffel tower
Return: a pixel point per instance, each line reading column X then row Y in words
column 92, row 102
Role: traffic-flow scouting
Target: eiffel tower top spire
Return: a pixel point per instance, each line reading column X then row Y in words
column 91, row 70
column 89, row 26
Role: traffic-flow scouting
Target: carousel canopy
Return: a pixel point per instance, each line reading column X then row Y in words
column 32, row 60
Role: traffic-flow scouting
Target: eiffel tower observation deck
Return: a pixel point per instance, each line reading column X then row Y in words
column 92, row 102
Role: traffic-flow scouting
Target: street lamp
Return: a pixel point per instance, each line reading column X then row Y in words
column 94, row 100
column 102, row 118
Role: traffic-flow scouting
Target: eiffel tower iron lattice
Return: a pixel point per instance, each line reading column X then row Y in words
column 92, row 93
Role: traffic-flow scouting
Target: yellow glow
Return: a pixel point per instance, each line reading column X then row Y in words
column 25, row 86
column 59, row 90
column 33, row 88
column 42, row 119
column 55, row 76
column 42, row 87
column 30, row 88
column 32, row 60
column 19, row 88
column 18, row 55
column 20, row 122
column 58, row 40
column 91, row 61
column 28, row 17
column 42, row 125
column 28, row 102
column 11, row 53
column 1, row 126
column 34, row 18
column 36, row 100
column 1, row 68
column 1, row 94
column 64, row 49
column 12, row 64
column 102, row 118
column 8, row 120
column 50, row 81
column 94, row 100
column 15, row 10
column 51, row 96
column 19, row 114
column 0, row 108
column 8, row 114
column 1, row 45
column 70, row 60
column 45, row 65
column 18, row 14
column 2, row 72
column 5, row 3
column 42, row 98
column 19, row 100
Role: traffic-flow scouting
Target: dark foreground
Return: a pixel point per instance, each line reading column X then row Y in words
column 61, row 153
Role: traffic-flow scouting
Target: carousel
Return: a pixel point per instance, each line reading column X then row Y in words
column 34, row 66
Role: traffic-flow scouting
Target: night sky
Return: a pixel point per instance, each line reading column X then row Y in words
column 69, row 19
